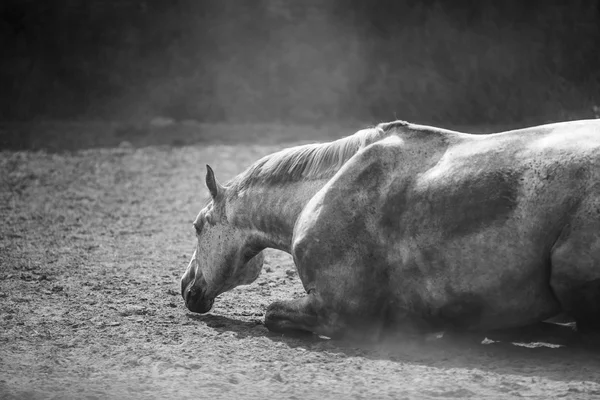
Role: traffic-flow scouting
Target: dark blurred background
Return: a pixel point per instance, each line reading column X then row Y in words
column 443, row 62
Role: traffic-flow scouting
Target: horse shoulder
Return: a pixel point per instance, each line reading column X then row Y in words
column 332, row 247
column 334, row 219
column 362, row 178
column 354, row 193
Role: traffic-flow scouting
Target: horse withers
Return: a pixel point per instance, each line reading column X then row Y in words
column 404, row 226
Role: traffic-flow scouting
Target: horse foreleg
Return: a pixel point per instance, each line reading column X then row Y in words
column 303, row 315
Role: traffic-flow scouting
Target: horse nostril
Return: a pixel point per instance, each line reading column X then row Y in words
column 185, row 293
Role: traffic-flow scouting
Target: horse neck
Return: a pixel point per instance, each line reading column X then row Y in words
column 268, row 198
column 270, row 212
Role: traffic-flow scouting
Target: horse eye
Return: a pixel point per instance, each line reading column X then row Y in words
column 210, row 218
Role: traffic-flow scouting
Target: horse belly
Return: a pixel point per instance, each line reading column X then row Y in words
column 476, row 253
column 474, row 283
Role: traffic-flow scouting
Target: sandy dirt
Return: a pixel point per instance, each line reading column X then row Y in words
column 92, row 246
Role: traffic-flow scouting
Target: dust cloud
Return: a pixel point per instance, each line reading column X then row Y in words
column 470, row 62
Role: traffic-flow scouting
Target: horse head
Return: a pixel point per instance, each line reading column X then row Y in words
column 225, row 256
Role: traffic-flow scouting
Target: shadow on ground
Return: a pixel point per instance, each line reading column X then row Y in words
column 537, row 346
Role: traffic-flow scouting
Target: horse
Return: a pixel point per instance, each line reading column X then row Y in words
column 412, row 227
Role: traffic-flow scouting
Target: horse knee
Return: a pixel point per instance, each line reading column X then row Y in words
column 290, row 316
column 275, row 317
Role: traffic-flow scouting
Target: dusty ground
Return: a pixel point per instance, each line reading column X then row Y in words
column 92, row 245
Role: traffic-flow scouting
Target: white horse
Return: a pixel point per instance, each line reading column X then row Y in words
column 408, row 226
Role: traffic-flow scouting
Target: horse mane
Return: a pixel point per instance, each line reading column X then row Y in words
column 311, row 161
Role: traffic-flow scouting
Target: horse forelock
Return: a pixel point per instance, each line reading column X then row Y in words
column 310, row 161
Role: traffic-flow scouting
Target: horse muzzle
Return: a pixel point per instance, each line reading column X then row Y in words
column 199, row 305
column 195, row 298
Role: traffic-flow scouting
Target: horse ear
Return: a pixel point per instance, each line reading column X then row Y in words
column 214, row 187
